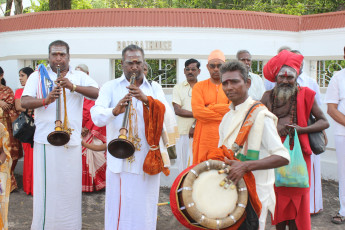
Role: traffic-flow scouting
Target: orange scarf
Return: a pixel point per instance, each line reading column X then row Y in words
column 154, row 118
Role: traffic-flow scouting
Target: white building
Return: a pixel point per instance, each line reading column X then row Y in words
column 96, row 38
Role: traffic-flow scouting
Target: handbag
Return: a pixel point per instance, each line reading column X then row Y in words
column 24, row 128
column 295, row 174
column 172, row 152
column 317, row 140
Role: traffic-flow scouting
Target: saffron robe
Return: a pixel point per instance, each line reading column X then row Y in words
column 294, row 203
column 209, row 105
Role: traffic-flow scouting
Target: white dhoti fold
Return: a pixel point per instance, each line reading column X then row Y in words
column 57, row 187
column 316, row 204
column 340, row 149
column 131, row 201
column 184, row 152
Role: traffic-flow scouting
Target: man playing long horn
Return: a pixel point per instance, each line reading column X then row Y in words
column 133, row 183
column 57, row 169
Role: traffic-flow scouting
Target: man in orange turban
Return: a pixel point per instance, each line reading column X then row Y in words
column 292, row 105
column 209, row 104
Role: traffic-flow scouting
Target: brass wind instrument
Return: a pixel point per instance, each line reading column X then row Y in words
column 59, row 136
column 121, row 147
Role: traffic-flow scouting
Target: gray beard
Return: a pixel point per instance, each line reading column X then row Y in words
column 284, row 93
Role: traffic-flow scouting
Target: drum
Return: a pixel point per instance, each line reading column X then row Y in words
column 198, row 201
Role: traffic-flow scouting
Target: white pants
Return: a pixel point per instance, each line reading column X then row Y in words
column 184, row 152
column 340, row 149
column 57, row 187
column 131, row 201
column 316, row 204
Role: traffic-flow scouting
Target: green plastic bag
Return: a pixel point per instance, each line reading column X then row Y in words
column 295, row 174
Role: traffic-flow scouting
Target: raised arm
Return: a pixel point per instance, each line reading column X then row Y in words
column 204, row 112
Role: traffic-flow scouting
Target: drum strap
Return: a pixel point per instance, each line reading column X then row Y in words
column 243, row 134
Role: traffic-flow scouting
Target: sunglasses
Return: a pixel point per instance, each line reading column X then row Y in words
column 213, row 66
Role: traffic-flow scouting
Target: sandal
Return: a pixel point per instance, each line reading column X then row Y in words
column 338, row 219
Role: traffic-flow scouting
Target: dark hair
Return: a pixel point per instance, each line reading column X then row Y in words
column 3, row 81
column 59, row 43
column 296, row 52
column 241, row 52
column 232, row 66
column 191, row 61
column 132, row 48
column 27, row 70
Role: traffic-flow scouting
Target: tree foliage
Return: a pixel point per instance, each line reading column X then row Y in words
column 292, row 7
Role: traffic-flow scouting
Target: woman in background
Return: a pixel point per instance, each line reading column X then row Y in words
column 28, row 184
column 8, row 114
column 5, row 176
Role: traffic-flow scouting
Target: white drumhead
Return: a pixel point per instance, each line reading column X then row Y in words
column 210, row 198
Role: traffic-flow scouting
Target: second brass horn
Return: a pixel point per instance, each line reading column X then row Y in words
column 121, row 147
column 59, row 136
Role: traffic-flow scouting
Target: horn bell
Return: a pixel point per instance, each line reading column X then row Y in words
column 58, row 138
column 121, row 148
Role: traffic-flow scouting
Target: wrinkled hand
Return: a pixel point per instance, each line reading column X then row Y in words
column 136, row 92
column 237, row 170
column 191, row 132
column 84, row 131
column 299, row 129
column 83, row 143
column 53, row 95
column 4, row 105
column 121, row 105
column 64, row 82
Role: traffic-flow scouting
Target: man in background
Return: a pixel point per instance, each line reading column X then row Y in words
column 209, row 104
column 257, row 87
column 182, row 103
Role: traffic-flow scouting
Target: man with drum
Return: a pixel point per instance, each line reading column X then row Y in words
column 131, row 194
column 262, row 149
column 293, row 105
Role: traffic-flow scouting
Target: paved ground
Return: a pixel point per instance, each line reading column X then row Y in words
column 20, row 211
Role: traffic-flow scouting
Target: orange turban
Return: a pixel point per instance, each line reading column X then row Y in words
column 216, row 54
column 285, row 57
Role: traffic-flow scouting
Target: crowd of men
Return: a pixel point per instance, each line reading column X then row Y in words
column 231, row 117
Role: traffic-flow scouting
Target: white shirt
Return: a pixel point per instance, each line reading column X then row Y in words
column 101, row 113
column 45, row 117
column 306, row 81
column 271, row 144
column 257, row 88
column 182, row 95
column 336, row 95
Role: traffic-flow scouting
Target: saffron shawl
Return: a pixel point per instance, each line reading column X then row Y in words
column 154, row 118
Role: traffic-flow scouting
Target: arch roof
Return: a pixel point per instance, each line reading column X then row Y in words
column 195, row 18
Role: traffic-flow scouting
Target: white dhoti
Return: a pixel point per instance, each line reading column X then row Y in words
column 57, row 187
column 316, row 204
column 184, row 152
column 340, row 149
column 131, row 201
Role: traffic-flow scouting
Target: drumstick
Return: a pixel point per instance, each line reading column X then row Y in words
column 164, row 203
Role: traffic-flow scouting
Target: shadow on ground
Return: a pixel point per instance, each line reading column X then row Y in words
column 20, row 210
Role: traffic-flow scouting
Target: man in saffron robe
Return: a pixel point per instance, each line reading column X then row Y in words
column 209, row 104
column 293, row 106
